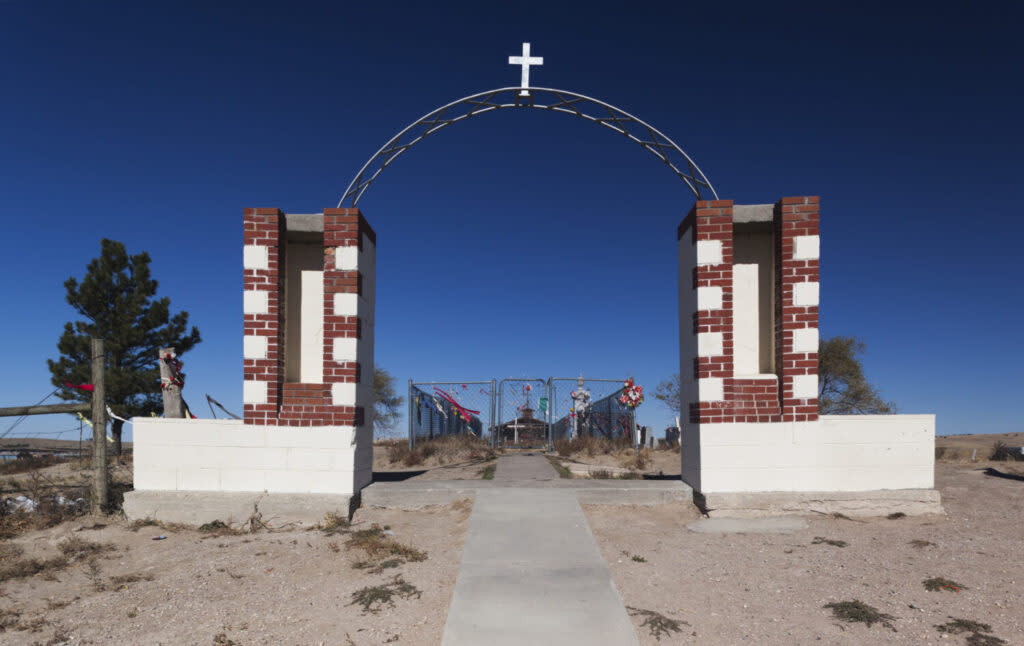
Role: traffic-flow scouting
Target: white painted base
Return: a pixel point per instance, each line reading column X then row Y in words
column 229, row 456
column 837, row 453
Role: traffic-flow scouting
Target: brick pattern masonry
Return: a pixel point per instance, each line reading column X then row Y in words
column 796, row 317
column 303, row 404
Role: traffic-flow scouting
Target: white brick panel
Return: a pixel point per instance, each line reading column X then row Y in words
column 255, row 257
column 709, row 252
column 346, row 304
column 346, row 258
column 709, row 298
column 805, row 340
column 805, row 294
column 806, row 248
column 805, row 386
column 343, row 394
column 709, row 344
column 255, row 302
column 345, row 349
column 254, row 347
column 254, row 392
column 712, row 389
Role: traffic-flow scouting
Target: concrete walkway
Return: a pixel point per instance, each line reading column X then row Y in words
column 531, row 571
column 526, row 467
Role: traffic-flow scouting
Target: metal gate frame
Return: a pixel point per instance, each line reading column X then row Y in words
column 547, row 414
column 410, row 412
column 551, row 409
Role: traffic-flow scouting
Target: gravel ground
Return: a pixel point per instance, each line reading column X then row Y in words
column 770, row 589
column 280, row 587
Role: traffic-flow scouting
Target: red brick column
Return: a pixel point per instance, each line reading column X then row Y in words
column 796, row 314
column 710, row 224
column 263, row 365
column 346, row 233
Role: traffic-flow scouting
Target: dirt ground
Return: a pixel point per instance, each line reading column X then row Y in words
column 662, row 462
column 770, row 589
column 431, row 469
column 287, row 587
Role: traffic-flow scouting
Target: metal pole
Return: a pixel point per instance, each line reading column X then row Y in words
column 410, row 415
column 494, row 422
column 99, row 429
column 501, row 387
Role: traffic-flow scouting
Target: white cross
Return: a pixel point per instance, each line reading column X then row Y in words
column 525, row 61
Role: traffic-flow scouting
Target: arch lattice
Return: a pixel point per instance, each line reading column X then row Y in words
column 620, row 121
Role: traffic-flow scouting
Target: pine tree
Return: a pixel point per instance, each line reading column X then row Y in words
column 117, row 297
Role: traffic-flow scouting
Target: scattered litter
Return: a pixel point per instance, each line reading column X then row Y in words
column 388, row 532
column 28, row 506
column 159, row 538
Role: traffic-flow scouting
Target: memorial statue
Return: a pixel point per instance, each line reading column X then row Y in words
column 581, row 408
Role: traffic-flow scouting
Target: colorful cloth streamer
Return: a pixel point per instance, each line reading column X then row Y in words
column 437, row 405
column 113, row 416
column 463, row 411
column 82, row 417
column 88, row 387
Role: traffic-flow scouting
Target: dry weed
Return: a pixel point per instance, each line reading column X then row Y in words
column 939, row 584
column 857, row 611
column 373, row 598
column 659, row 625
column 377, row 545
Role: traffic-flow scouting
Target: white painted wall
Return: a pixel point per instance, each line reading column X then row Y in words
column 689, row 437
column 745, row 320
column 311, row 335
column 227, row 455
column 835, row 453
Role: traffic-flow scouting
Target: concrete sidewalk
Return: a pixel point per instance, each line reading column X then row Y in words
column 526, row 467
column 531, row 572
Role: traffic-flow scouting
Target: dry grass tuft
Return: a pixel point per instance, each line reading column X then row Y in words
column 659, row 625
column 377, row 545
column 939, row 584
column 445, row 449
column 600, row 474
column 1002, row 453
column 333, row 524
column 373, row 598
column 958, row 626
column 818, row 540
column 858, row 612
column 637, row 460
column 74, row 547
column 591, row 446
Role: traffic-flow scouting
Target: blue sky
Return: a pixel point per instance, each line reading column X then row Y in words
column 525, row 242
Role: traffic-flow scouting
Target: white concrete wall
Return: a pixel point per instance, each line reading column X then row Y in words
column 311, row 324
column 746, row 354
column 227, row 455
column 689, row 437
column 835, row 453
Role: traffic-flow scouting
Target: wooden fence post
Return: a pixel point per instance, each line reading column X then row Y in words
column 99, row 428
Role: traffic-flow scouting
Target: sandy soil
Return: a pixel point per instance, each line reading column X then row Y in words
column 770, row 589
column 287, row 587
column 666, row 463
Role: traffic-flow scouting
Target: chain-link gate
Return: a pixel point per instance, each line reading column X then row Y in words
column 523, row 413
column 451, row 408
column 589, row 408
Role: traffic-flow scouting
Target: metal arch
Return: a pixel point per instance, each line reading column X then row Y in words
column 620, row 121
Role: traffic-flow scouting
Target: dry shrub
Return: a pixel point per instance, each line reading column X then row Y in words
column 600, row 474
column 444, row 449
column 373, row 598
column 659, row 625
column 591, row 445
column 377, row 545
column 940, row 584
column 1002, row 453
column 24, row 568
column 638, row 460
column 74, row 547
column 334, row 524
column 26, row 461
column 858, row 612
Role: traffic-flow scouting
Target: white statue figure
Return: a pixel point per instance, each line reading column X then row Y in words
column 581, row 407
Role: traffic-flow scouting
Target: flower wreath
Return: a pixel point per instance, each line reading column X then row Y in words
column 177, row 377
column 632, row 394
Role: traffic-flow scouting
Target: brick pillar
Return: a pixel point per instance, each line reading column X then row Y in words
column 796, row 311
column 710, row 224
column 262, row 364
column 349, row 294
